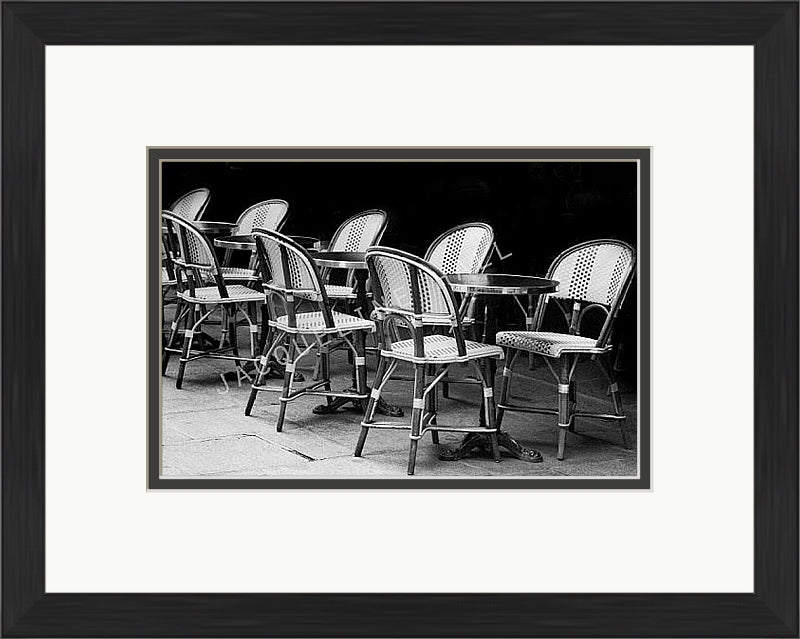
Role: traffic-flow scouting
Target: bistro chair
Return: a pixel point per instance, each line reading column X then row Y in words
column 195, row 265
column 168, row 279
column 410, row 292
column 462, row 249
column 355, row 234
column 595, row 275
column 191, row 206
column 290, row 279
column 270, row 215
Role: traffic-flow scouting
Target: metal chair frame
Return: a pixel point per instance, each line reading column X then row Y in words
column 428, row 372
column 195, row 263
column 192, row 213
column 568, row 360
column 282, row 276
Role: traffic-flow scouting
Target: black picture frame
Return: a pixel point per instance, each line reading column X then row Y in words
column 771, row 610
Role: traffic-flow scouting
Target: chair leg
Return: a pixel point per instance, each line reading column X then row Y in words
column 564, row 421
column 288, row 377
column 359, row 341
column 232, row 337
column 270, row 341
column 431, row 405
column 369, row 414
column 416, row 415
column 323, row 365
column 172, row 335
column 187, row 347
column 613, row 390
column 505, row 386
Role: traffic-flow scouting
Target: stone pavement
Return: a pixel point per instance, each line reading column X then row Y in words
column 206, row 434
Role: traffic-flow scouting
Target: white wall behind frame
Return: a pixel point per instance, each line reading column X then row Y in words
column 692, row 532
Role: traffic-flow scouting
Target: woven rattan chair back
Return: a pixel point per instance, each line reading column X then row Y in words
column 594, row 274
column 286, row 267
column 191, row 205
column 409, row 286
column 269, row 214
column 193, row 256
column 359, row 232
column 463, row 249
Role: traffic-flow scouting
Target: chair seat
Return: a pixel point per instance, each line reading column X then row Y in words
column 548, row 344
column 442, row 349
column 210, row 294
column 233, row 273
column 313, row 323
column 338, row 291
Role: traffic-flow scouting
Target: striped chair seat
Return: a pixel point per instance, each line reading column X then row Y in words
column 337, row 291
column 441, row 349
column 314, row 323
column 548, row 344
column 233, row 273
column 236, row 293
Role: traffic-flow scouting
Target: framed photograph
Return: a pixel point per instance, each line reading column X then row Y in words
column 172, row 219
column 483, row 222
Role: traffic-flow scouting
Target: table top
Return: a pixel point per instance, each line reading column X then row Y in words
column 341, row 259
column 208, row 226
column 500, row 284
column 242, row 242
column 246, row 242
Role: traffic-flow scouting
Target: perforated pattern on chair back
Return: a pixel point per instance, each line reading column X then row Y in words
column 193, row 247
column 191, row 205
column 359, row 232
column 300, row 275
column 270, row 215
column 594, row 272
column 393, row 293
column 463, row 249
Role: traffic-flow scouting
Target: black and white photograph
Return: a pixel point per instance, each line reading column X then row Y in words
column 451, row 316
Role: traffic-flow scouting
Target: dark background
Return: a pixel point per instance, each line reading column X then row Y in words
column 537, row 209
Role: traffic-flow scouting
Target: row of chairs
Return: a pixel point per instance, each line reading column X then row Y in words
column 417, row 318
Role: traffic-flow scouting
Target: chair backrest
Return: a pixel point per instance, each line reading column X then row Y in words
column 192, row 255
column 462, row 249
column 408, row 288
column 598, row 274
column 287, row 270
column 269, row 214
column 359, row 232
column 191, row 206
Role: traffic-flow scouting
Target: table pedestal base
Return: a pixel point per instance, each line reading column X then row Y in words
column 479, row 445
column 358, row 405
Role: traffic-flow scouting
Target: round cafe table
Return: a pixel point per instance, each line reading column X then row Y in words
column 214, row 228
column 357, row 263
column 494, row 285
column 247, row 243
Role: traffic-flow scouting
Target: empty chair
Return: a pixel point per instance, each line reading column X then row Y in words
column 356, row 234
column 593, row 276
column 410, row 292
column 465, row 248
column 195, row 265
column 191, row 206
column 291, row 279
column 270, row 215
column 462, row 249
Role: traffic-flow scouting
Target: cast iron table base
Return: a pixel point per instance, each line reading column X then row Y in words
column 479, row 445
